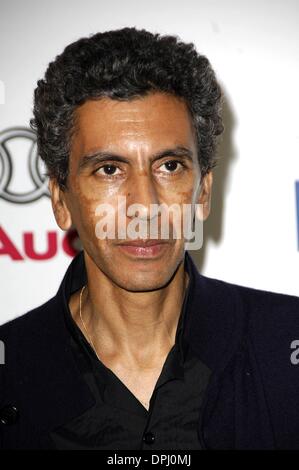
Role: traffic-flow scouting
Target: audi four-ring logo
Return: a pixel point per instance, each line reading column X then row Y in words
column 39, row 181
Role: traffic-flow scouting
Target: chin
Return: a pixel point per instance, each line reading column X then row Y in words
column 142, row 286
column 142, row 281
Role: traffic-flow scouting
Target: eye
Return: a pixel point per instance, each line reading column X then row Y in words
column 172, row 166
column 108, row 170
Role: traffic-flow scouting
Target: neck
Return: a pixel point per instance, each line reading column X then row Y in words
column 138, row 327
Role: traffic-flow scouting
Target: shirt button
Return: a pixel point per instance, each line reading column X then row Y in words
column 9, row 415
column 148, row 438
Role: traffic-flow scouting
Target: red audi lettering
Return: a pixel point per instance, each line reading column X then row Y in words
column 8, row 248
column 50, row 251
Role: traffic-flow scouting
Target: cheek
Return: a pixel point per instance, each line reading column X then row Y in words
column 88, row 196
column 83, row 206
column 181, row 189
column 186, row 196
column 92, row 210
column 181, row 194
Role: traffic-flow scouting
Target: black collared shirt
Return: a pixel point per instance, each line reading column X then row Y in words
column 118, row 420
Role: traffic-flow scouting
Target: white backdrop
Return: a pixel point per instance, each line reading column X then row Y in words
column 251, row 236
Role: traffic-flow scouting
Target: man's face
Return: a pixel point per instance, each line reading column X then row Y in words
column 144, row 150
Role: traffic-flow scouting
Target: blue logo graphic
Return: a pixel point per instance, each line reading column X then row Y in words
column 297, row 205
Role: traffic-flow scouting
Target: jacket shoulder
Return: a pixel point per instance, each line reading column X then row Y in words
column 271, row 321
column 257, row 303
column 268, row 301
column 27, row 321
column 271, row 316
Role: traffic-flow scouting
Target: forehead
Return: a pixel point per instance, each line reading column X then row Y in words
column 152, row 121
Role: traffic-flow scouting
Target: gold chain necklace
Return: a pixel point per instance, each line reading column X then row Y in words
column 146, row 404
column 84, row 326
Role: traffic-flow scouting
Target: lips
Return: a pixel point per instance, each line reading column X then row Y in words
column 144, row 248
column 143, row 243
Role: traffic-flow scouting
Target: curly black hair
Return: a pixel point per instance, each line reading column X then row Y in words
column 123, row 64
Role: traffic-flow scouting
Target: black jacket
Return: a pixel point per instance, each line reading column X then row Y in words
column 242, row 334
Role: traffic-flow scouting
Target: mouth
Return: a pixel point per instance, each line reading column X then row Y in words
column 145, row 248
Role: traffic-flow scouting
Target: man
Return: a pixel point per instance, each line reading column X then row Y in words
column 138, row 350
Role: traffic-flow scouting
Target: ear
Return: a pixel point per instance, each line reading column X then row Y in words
column 59, row 205
column 205, row 196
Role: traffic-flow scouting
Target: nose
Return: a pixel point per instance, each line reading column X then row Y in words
column 143, row 194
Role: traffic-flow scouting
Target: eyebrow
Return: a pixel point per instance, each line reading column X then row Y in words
column 102, row 156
